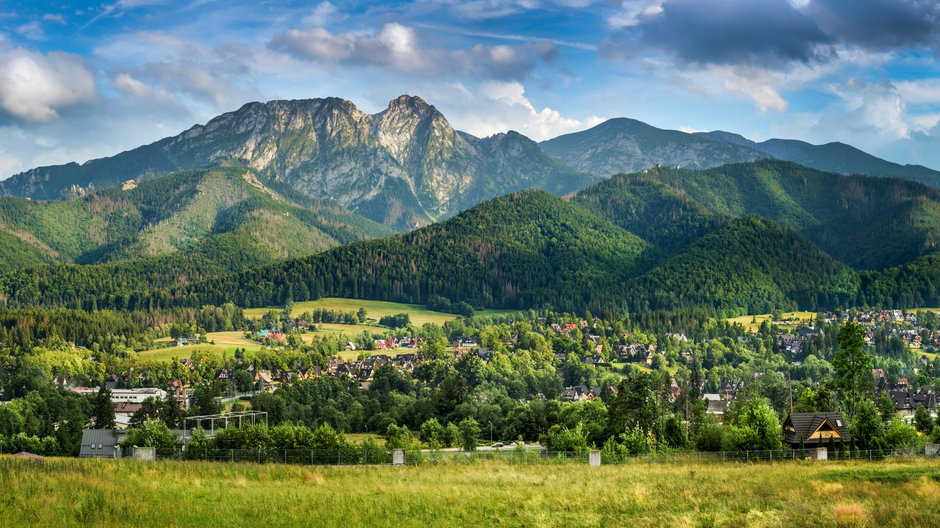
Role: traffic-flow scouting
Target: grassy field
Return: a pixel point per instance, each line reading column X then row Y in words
column 225, row 345
column 73, row 492
column 753, row 322
column 348, row 331
column 374, row 309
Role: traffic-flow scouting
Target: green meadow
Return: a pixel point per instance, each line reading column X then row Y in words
column 74, row 492
column 375, row 310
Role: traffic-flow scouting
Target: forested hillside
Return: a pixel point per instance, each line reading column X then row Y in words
column 524, row 249
column 178, row 212
column 743, row 238
column 865, row 222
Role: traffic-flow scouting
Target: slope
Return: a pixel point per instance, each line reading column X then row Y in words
column 404, row 167
column 749, row 265
column 626, row 145
column 866, row 222
column 173, row 213
column 521, row 250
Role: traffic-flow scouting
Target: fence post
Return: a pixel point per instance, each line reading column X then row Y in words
column 233, row 455
column 594, row 458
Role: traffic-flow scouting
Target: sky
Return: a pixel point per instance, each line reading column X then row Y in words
column 82, row 80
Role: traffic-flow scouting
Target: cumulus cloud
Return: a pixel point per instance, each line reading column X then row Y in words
column 398, row 48
column 753, row 32
column 879, row 24
column 499, row 106
column 36, row 86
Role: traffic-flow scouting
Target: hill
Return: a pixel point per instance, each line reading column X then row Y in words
column 627, row 145
column 865, row 222
column 520, row 250
column 404, row 167
column 749, row 265
column 177, row 212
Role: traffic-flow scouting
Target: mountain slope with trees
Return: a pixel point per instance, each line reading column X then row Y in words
column 866, row 222
column 173, row 213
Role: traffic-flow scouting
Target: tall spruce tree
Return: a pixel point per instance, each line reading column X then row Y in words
column 104, row 409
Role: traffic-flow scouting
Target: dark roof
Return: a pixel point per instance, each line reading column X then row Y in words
column 805, row 424
column 100, row 442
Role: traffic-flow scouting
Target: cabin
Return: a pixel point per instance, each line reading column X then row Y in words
column 815, row 430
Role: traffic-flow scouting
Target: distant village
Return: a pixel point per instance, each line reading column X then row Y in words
column 403, row 354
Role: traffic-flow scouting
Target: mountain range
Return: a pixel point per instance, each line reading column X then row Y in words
column 741, row 238
column 293, row 200
column 406, row 167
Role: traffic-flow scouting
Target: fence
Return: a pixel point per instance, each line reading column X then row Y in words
column 358, row 456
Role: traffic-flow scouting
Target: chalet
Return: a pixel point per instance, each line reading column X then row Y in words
column 906, row 401
column 811, row 430
column 580, row 393
column 716, row 405
column 879, row 374
column 276, row 336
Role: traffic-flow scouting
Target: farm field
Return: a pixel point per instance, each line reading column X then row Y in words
column 74, row 492
column 374, row 309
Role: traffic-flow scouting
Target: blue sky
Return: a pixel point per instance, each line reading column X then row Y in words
column 82, row 80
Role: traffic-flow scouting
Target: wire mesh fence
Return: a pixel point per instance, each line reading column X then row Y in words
column 381, row 456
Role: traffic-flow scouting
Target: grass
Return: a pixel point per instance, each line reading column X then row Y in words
column 73, row 492
column 753, row 322
column 348, row 331
column 374, row 310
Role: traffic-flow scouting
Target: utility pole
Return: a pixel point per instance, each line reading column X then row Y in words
column 491, row 431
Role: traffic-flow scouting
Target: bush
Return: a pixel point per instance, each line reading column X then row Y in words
column 151, row 433
column 900, row 434
column 710, row 436
column 561, row 438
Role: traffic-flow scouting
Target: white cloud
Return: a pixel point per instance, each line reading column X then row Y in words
column 35, row 86
column 32, row 31
column 925, row 91
column 398, row 48
column 632, row 12
column 495, row 106
column 323, row 14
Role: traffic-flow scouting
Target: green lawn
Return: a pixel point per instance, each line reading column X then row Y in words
column 92, row 493
column 374, row 309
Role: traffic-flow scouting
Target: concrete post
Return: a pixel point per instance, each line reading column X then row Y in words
column 594, row 458
column 822, row 453
column 145, row 453
column 398, row 457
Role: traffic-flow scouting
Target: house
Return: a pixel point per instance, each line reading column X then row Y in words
column 101, row 443
column 906, row 401
column 811, row 430
column 716, row 405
